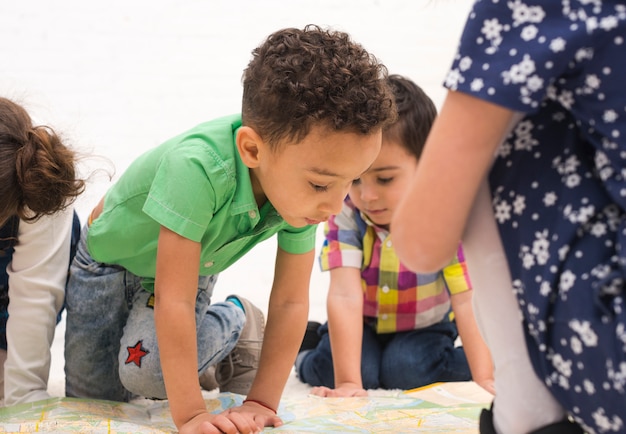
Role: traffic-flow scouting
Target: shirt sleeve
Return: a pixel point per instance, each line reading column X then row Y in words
column 37, row 276
column 343, row 244
column 297, row 240
column 181, row 178
column 456, row 275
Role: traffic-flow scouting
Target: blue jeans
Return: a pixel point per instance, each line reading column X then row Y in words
column 111, row 349
column 403, row 360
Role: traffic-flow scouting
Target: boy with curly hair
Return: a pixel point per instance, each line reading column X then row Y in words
column 139, row 314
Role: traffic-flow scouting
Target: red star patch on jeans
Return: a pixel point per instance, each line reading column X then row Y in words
column 136, row 353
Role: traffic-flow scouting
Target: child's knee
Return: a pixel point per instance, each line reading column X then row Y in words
column 140, row 371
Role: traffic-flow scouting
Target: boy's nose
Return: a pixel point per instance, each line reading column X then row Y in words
column 368, row 193
column 334, row 205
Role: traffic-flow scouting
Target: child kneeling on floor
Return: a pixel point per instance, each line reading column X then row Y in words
column 139, row 319
column 389, row 327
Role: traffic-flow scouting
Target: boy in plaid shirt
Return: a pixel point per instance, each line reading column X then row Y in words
column 387, row 326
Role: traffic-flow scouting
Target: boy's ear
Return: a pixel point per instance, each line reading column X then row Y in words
column 249, row 145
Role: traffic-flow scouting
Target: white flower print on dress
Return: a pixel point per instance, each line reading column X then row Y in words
column 576, row 345
column 609, row 116
column 589, row 387
column 598, row 229
column 566, row 281
column 621, row 335
column 549, row 199
column 564, row 367
column 581, row 215
column 617, row 376
column 453, row 79
column 592, row 83
column 534, row 83
column 605, row 423
column 502, row 211
column 465, row 63
column 492, row 29
column 519, row 72
column 557, row 45
column 477, row 84
column 584, row 331
column 522, row 13
column 528, row 259
column 519, row 204
column 529, row 33
column 541, row 247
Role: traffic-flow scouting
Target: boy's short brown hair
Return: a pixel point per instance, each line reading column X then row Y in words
column 416, row 114
column 299, row 78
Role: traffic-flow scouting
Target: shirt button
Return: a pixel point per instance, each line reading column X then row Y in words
column 252, row 214
column 385, row 289
column 208, row 264
column 388, row 243
column 384, row 316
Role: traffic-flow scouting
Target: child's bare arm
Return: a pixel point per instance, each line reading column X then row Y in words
column 176, row 286
column 478, row 355
column 286, row 322
column 345, row 326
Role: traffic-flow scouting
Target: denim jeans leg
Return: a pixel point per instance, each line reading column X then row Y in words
column 371, row 357
column 97, row 304
column 218, row 327
column 315, row 367
column 420, row 357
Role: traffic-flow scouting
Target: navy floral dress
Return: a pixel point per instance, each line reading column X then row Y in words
column 558, row 185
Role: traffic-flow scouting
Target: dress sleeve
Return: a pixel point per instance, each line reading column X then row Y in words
column 37, row 277
column 511, row 56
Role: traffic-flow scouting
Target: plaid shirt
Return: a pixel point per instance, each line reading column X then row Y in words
column 394, row 298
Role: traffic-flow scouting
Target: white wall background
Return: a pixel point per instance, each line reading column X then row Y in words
column 116, row 78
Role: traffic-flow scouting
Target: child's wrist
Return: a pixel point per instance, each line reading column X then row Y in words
column 261, row 403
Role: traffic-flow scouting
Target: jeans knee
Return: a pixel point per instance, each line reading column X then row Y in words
column 140, row 372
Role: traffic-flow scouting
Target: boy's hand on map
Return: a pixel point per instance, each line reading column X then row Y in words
column 261, row 415
column 346, row 390
column 228, row 422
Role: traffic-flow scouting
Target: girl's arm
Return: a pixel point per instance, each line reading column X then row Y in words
column 429, row 221
column 37, row 276
column 345, row 327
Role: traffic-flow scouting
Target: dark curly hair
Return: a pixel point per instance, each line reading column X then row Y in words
column 37, row 173
column 299, row 78
column 416, row 114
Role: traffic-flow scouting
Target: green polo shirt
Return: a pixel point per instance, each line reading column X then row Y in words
column 196, row 185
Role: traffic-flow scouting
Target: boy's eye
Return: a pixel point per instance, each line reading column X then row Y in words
column 356, row 181
column 319, row 188
column 385, row 180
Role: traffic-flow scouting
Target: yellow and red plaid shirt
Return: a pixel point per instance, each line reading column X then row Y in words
column 394, row 298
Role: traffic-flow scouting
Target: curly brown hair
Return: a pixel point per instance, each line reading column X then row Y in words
column 37, row 172
column 299, row 78
column 416, row 114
